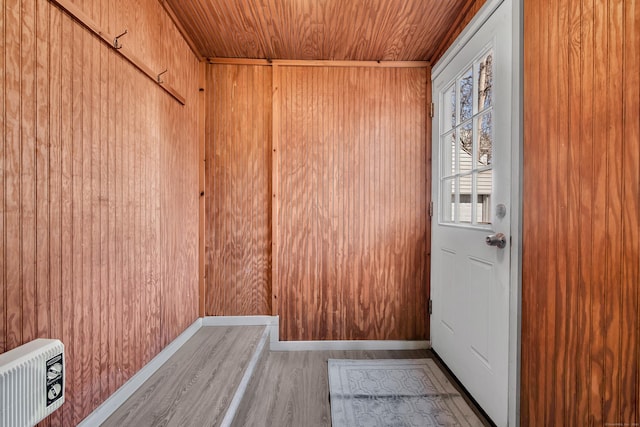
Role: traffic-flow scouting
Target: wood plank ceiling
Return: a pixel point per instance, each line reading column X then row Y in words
column 358, row 30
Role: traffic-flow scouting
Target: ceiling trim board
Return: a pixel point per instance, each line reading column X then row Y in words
column 319, row 63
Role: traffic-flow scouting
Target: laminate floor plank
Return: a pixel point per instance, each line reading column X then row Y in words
column 195, row 386
column 292, row 388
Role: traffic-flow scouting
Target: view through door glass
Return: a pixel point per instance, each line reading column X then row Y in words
column 466, row 143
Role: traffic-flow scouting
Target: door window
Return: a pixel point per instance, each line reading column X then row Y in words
column 466, row 145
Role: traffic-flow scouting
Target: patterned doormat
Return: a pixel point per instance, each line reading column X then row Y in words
column 411, row 392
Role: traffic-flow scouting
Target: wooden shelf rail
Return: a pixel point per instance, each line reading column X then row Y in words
column 318, row 63
column 76, row 13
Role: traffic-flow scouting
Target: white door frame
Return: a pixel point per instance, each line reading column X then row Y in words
column 515, row 274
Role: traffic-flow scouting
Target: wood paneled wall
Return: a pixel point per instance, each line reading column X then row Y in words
column 151, row 35
column 351, row 182
column 348, row 169
column 581, row 281
column 238, row 190
column 98, row 193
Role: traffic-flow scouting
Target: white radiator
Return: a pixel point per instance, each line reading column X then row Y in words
column 31, row 382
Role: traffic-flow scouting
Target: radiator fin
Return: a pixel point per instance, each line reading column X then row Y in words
column 24, row 383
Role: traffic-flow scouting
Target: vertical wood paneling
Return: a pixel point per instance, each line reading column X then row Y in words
column 85, row 221
column 426, row 172
column 112, row 223
column 572, row 220
column 598, row 56
column 351, row 194
column 3, row 155
column 55, row 184
column 580, row 291
column 96, row 165
column 75, row 350
column 553, row 399
column 237, row 201
column 127, row 197
column 104, row 131
column 630, row 351
column 276, row 154
column 119, row 227
column 42, row 169
column 587, row 98
column 614, row 360
column 66, row 192
column 349, row 223
column 28, row 172
column 13, row 332
column 179, row 227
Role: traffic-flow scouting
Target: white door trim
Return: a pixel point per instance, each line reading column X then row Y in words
column 515, row 303
column 515, row 298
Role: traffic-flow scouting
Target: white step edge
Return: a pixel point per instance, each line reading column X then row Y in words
column 244, row 383
column 113, row 402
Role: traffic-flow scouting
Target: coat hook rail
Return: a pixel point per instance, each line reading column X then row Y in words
column 83, row 19
column 116, row 41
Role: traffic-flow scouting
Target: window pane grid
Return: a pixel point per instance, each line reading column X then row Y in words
column 466, row 144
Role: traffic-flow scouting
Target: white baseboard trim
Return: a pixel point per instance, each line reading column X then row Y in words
column 244, row 383
column 349, row 345
column 277, row 345
column 239, row 320
column 109, row 406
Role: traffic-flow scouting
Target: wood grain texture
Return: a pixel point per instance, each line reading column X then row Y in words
column 197, row 384
column 13, row 322
column 580, row 292
column 332, row 29
column 202, row 298
column 351, row 203
column 630, row 317
column 318, row 63
column 428, row 215
column 238, row 201
column 98, row 199
column 3, row 192
column 466, row 13
column 292, row 388
column 87, row 20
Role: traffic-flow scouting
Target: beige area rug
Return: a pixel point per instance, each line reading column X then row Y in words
column 411, row 392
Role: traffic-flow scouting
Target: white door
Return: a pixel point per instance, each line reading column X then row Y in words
column 472, row 188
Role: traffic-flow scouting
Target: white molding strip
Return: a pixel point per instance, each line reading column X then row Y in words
column 274, row 333
column 244, row 383
column 348, row 345
column 515, row 294
column 109, row 406
column 368, row 345
column 239, row 320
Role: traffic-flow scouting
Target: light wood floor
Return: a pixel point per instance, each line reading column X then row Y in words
column 292, row 389
column 195, row 387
